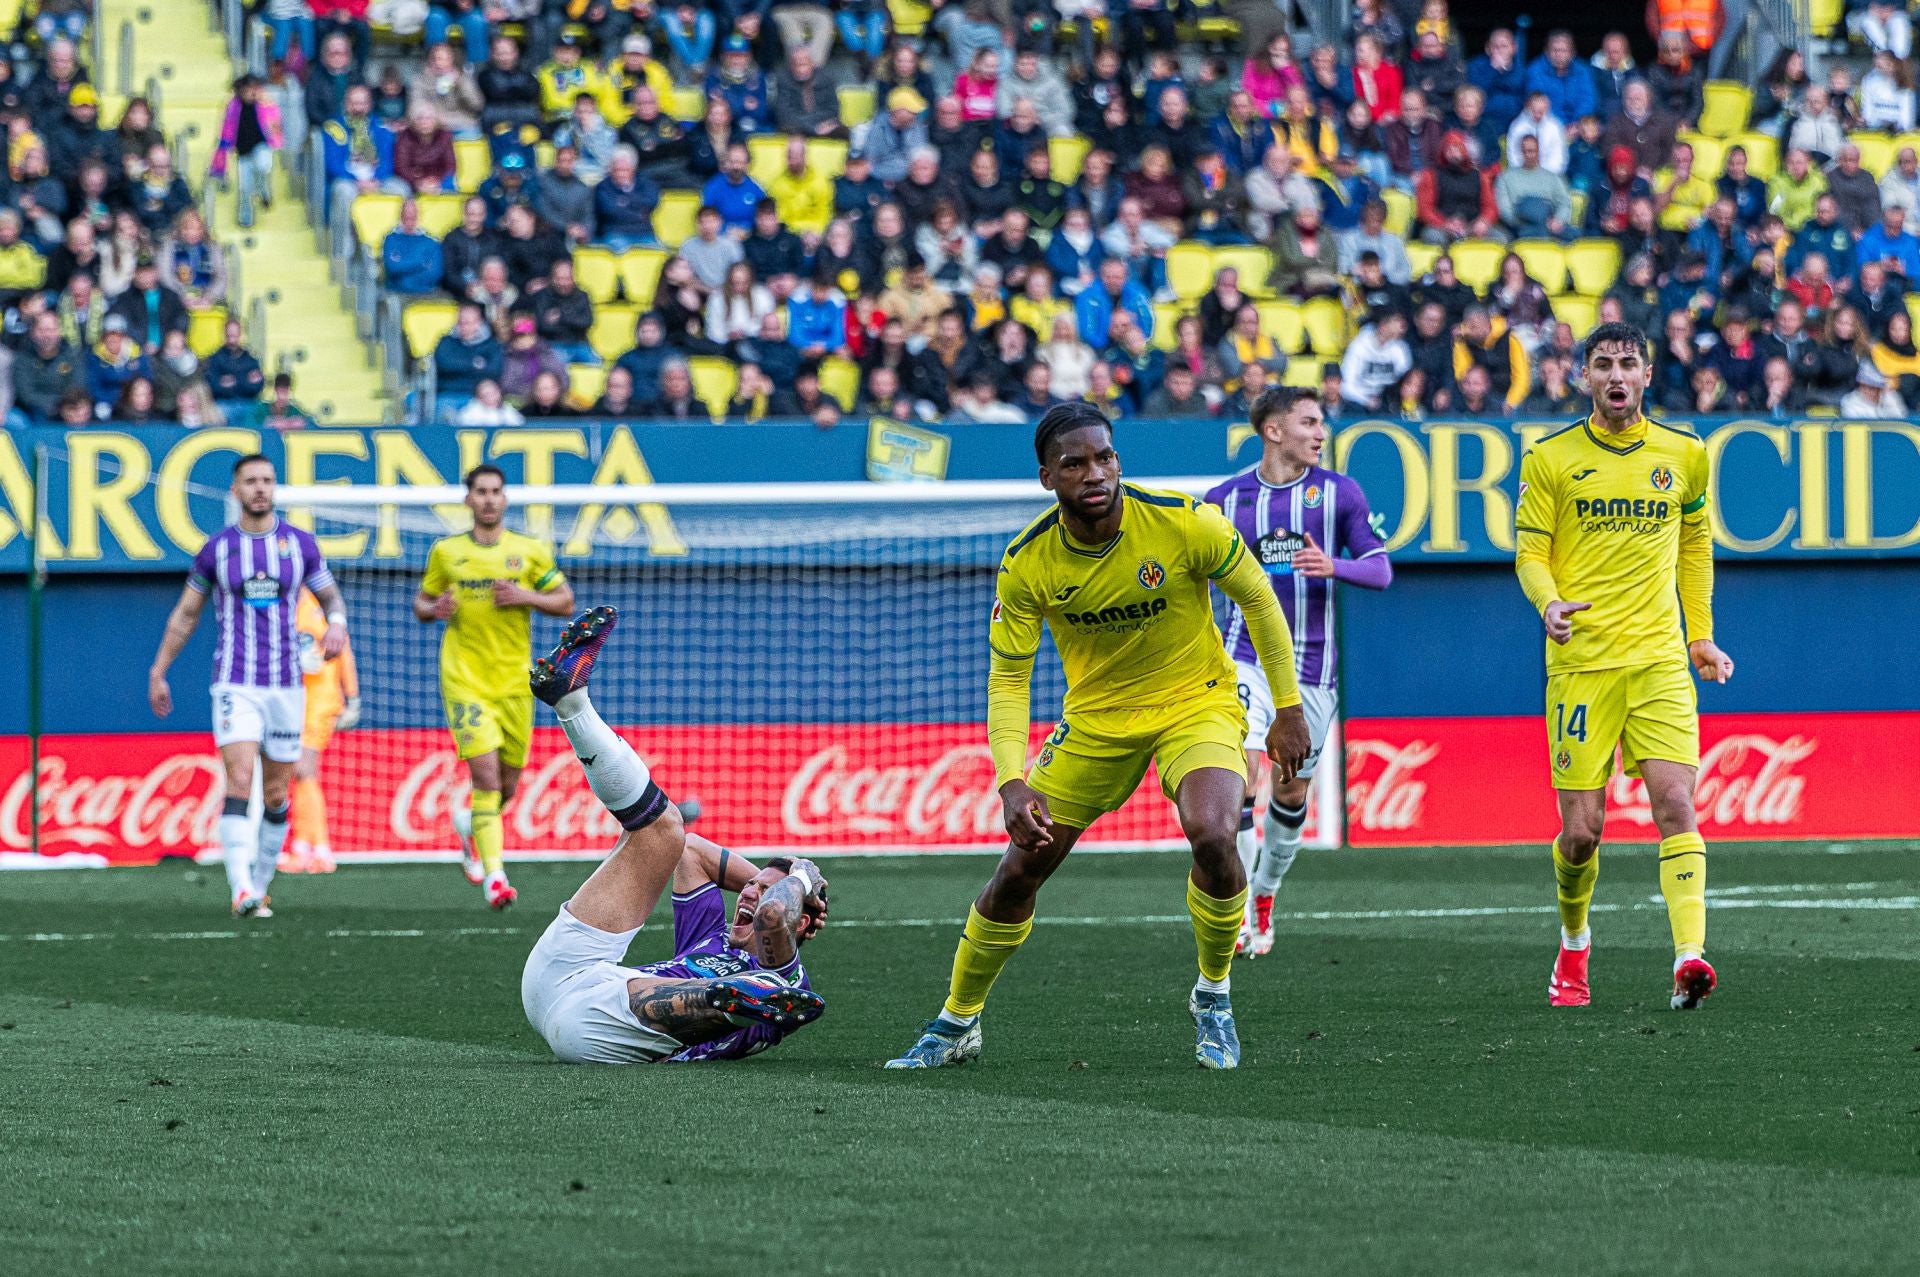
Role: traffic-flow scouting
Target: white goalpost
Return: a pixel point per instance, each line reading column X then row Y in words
column 806, row 660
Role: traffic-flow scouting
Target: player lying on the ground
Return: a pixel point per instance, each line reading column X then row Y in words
column 735, row 985
column 253, row 571
column 1277, row 507
column 1613, row 524
column 1120, row 575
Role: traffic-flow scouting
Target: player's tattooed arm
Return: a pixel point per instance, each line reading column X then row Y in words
column 334, row 641
column 679, row 1009
column 181, row 623
column 779, row 917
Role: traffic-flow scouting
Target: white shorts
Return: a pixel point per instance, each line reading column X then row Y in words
column 1322, row 705
column 574, row 992
column 270, row 717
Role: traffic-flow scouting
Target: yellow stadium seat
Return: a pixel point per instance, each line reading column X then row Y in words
column 1763, row 153
column 673, row 217
column 1067, row 155
column 856, row 104
column 826, row 155
column 1421, row 256
column 597, row 272
column 1399, row 211
column 910, row 17
column 1302, row 374
column 1477, row 262
column 714, row 381
column 640, row 273
column 1166, row 322
column 1876, row 152
column 1913, row 307
column 612, row 333
column 1281, row 321
column 207, row 330
column 439, row 214
column 840, row 381
column 425, row 323
column 1594, row 265
column 1189, row 270
column 1709, row 153
column 688, row 105
column 1576, row 312
column 1326, row 325
column 1726, row 107
column 472, row 163
column 1546, row 262
column 1680, row 217
column 373, row 217
column 1254, row 263
column 766, row 156
column 1579, row 208
column 586, row 383
column 1824, row 17
column 1904, row 141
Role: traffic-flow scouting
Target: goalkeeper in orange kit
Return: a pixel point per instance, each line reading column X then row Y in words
column 333, row 704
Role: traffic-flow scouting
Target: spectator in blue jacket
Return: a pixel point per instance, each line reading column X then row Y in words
column 465, row 357
column 357, row 150
column 410, row 256
column 1722, row 243
column 1827, row 234
column 817, row 320
column 1114, row 290
column 1240, row 135
column 623, row 203
column 1567, row 83
column 742, row 85
column 735, row 194
column 1889, row 242
column 113, row 363
column 233, row 374
column 649, row 354
column 1074, row 254
column 1501, row 74
column 1748, row 193
column 513, row 185
column 1344, row 193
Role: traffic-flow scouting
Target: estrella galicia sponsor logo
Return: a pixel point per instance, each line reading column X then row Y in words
column 1277, row 548
column 1621, row 508
column 717, row 965
column 1662, row 479
column 1312, row 497
column 260, row 591
column 1152, row 575
column 1145, row 610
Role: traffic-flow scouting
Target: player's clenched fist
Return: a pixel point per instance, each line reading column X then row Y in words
column 1289, row 741
column 442, row 607
column 1559, row 619
column 1029, row 824
column 1712, row 664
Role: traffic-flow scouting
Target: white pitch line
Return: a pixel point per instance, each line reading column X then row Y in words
column 1119, row 920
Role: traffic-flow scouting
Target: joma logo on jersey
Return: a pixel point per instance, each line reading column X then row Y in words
column 1620, row 508
column 1108, row 615
column 1662, row 479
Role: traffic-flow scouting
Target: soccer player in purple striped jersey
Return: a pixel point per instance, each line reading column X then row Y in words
column 253, row 571
column 1300, row 519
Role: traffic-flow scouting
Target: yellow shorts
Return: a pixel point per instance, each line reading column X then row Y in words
column 482, row 723
column 1647, row 711
column 1093, row 762
column 324, row 706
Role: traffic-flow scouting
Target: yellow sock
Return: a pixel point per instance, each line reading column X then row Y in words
column 1576, row 889
column 984, row 948
column 1216, row 927
column 488, row 840
column 1683, row 881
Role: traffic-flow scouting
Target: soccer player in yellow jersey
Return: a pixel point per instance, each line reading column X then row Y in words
column 1615, row 550
column 482, row 584
column 1120, row 575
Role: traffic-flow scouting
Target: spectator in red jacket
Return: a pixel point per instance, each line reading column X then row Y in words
column 423, row 155
column 1453, row 199
column 1376, row 81
column 1412, row 139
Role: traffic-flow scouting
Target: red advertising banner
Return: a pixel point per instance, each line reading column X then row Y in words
column 869, row 787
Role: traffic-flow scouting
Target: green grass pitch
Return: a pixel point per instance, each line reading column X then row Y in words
column 351, row 1087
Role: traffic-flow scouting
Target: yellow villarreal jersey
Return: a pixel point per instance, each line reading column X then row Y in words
column 1612, row 508
column 485, row 649
column 1132, row 619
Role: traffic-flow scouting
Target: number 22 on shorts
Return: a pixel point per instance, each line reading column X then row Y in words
column 1570, row 726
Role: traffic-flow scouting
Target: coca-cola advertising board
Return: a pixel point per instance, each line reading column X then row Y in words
column 871, row 787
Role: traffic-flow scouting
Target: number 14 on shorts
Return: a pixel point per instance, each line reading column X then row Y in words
column 1569, row 723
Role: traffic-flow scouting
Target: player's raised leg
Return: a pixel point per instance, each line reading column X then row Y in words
column 1576, row 867
column 1683, row 878
column 1208, row 800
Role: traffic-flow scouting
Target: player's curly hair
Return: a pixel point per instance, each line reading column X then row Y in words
column 1616, row 334
column 1275, row 403
column 1062, row 418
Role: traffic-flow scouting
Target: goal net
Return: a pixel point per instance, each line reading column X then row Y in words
column 807, row 661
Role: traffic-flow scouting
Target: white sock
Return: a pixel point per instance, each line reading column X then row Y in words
column 462, row 818
column 1248, row 841
column 959, row 1021
column 614, row 772
column 1576, row 942
column 272, row 837
column 1683, row 956
column 237, row 847
column 1222, row 985
column 1282, row 845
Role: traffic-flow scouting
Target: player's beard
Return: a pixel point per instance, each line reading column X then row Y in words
column 1087, row 513
column 1628, row 412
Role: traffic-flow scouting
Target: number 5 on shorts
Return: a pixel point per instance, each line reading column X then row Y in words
column 1570, row 726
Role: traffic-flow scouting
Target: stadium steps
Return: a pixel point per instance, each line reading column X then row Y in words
column 310, row 327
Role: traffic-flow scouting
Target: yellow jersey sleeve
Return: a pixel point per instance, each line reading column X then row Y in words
column 541, row 572
column 1693, row 571
column 1013, row 636
column 1013, row 631
column 1214, row 544
column 435, row 582
column 1533, row 526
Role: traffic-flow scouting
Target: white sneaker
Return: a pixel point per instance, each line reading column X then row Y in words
column 470, row 861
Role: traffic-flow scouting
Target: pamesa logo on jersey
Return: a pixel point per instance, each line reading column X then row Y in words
column 1152, row 575
column 1662, row 479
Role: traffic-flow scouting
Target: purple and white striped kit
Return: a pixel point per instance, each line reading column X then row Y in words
column 255, row 582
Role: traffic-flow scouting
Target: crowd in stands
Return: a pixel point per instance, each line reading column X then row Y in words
column 115, row 295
